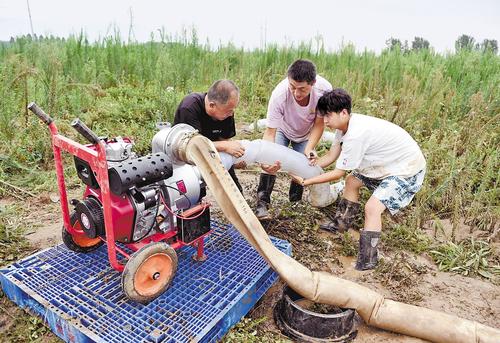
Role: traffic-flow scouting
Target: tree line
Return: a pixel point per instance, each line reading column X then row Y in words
column 464, row 42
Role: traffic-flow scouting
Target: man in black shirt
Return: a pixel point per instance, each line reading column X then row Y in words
column 212, row 114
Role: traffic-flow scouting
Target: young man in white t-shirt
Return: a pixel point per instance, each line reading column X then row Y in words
column 381, row 156
column 292, row 120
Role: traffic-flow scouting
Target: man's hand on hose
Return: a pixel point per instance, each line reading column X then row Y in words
column 271, row 168
column 312, row 156
column 234, row 148
column 240, row 165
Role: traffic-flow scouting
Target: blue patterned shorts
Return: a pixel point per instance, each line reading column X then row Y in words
column 394, row 192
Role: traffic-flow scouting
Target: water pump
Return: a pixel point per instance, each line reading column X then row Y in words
column 142, row 207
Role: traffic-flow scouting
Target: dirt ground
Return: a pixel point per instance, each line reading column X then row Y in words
column 404, row 277
column 408, row 278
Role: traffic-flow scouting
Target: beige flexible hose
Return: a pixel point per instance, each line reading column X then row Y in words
column 324, row 287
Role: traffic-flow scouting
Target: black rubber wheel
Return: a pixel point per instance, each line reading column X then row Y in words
column 149, row 271
column 80, row 243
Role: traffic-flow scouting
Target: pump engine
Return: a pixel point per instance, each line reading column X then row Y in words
column 146, row 194
column 142, row 207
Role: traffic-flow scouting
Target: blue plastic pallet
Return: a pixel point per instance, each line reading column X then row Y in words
column 80, row 296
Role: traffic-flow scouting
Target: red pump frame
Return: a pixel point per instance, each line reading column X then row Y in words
column 99, row 165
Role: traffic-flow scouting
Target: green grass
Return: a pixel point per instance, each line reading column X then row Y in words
column 348, row 247
column 13, row 244
column 247, row 331
column 449, row 103
column 403, row 237
column 469, row 257
column 23, row 328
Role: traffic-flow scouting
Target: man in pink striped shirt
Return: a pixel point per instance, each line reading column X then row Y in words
column 292, row 120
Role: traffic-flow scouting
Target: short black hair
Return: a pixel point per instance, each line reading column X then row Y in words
column 334, row 101
column 221, row 91
column 302, row 70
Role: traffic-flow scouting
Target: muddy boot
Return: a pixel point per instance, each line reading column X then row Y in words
column 266, row 185
column 295, row 192
column 345, row 217
column 368, row 253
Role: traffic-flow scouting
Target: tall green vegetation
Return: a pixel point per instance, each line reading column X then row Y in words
column 449, row 103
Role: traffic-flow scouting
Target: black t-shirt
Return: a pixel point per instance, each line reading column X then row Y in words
column 191, row 111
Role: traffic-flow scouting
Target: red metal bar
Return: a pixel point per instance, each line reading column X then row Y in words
column 103, row 180
column 176, row 245
column 121, row 251
column 62, row 143
column 60, row 179
column 200, row 251
column 77, row 149
column 98, row 163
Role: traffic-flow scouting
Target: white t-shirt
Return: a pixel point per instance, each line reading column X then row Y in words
column 285, row 114
column 376, row 148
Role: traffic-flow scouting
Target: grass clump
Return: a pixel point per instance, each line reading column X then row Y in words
column 469, row 257
column 402, row 237
column 348, row 246
column 246, row 331
column 19, row 327
column 13, row 244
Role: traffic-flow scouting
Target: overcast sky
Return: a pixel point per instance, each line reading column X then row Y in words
column 367, row 24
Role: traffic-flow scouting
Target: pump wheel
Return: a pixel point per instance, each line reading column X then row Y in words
column 149, row 271
column 79, row 242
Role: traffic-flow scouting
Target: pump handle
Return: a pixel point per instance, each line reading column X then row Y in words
column 82, row 129
column 33, row 107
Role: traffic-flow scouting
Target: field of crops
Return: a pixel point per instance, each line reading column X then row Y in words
column 449, row 103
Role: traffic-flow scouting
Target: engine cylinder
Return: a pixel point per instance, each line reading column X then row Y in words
column 139, row 172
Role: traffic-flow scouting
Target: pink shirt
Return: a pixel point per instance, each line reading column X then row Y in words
column 286, row 115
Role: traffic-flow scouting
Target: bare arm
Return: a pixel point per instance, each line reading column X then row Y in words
column 333, row 175
column 314, row 137
column 322, row 178
column 269, row 134
column 330, row 157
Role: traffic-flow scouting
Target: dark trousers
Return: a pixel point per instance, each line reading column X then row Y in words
column 235, row 179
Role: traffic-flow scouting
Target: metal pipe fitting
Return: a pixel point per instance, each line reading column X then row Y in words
column 173, row 141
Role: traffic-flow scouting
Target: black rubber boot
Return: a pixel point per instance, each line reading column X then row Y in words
column 264, row 190
column 345, row 217
column 368, row 253
column 295, row 192
column 235, row 179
